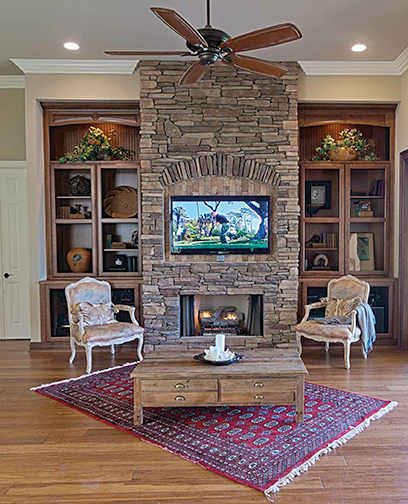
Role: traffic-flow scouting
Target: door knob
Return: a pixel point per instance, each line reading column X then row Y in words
column 7, row 275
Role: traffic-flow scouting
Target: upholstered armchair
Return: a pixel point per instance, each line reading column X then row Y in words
column 92, row 319
column 340, row 324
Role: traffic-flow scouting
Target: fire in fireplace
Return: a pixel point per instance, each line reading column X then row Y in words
column 202, row 315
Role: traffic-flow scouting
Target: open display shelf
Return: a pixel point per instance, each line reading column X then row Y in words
column 346, row 220
column 75, row 194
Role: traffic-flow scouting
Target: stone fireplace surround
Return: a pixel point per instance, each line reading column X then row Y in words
column 233, row 134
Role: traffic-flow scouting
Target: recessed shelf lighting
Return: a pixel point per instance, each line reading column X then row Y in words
column 71, row 46
column 359, row 47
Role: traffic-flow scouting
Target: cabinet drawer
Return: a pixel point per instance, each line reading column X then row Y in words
column 240, row 398
column 178, row 398
column 258, row 385
column 179, row 385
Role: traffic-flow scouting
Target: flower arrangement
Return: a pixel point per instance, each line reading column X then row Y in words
column 351, row 140
column 95, row 146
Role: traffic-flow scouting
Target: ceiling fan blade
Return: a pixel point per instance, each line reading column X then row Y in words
column 193, row 74
column 180, row 26
column 147, row 53
column 265, row 37
column 256, row 65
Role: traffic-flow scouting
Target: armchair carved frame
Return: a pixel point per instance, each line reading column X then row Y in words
column 339, row 288
column 91, row 290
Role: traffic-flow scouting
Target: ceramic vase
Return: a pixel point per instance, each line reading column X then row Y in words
column 79, row 260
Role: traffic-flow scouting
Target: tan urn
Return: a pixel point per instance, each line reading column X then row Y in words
column 79, row 260
column 343, row 154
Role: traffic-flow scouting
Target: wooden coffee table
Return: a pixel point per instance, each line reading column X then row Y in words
column 265, row 376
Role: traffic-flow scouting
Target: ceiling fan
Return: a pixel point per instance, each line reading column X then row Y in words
column 211, row 45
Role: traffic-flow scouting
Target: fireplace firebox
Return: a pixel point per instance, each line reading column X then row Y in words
column 203, row 315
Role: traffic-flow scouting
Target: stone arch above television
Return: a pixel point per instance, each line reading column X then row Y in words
column 219, row 165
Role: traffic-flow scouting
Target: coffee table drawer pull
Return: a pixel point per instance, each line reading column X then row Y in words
column 179, row 398
column 180, row 386
column 258, row 384
column 259, row 396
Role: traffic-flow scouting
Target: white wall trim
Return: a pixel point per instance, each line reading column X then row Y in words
column 77, row 66
column 13, row 165
column 396, row 67
column 12, row 81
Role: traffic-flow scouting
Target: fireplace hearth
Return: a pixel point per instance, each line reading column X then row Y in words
column 238, row 315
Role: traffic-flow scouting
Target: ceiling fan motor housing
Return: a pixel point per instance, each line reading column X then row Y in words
column 214, row 38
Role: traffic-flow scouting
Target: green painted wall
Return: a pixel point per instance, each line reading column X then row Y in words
column 12, row 125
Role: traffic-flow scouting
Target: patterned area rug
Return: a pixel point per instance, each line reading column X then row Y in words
column 261, row 446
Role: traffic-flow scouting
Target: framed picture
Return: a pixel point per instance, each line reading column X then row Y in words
column 318, row 196
column 365, row 251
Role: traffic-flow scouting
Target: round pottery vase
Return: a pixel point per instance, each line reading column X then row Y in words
column 78, row 260
column 343, row 154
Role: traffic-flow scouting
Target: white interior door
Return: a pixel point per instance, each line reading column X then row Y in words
column 14, row 246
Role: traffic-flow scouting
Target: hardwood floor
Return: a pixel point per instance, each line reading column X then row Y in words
column 52, row 454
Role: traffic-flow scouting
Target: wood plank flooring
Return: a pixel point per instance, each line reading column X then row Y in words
column 53, row 454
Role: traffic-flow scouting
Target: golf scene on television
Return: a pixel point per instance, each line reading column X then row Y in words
column 227, row 225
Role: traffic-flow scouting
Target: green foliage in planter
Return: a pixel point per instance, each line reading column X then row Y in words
column 350, row 138
column 93, row 147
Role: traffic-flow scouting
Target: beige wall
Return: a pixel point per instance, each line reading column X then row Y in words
column 12, row 132
column 57, row 87
column 349, row 88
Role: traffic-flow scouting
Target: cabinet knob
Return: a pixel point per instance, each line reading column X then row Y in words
column 258, row 384
column 258, row 397
column 7, row 275
column 179, row 398
column 180, row 386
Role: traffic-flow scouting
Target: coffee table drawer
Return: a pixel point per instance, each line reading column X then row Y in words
column 258, row 385
column 240, row 398
column 180, row 385
column 178, row 398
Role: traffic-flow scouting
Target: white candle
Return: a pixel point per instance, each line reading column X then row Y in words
column 219, row 343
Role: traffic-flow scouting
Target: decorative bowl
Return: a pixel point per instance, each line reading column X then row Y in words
column 236, row 358
column 343, row 154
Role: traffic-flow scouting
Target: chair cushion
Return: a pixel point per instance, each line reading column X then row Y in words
column 327, row 331
column 110, row 332
column 95, row 314
column 340, row 307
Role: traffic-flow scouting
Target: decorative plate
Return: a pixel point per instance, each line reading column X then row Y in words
column 236, row 358
column 121, row 202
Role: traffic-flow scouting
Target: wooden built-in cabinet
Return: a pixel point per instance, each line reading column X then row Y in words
column 359, row 208
column 64, row 127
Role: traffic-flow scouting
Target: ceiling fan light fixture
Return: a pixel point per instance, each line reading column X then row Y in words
column 71, row 46
column 358, row 47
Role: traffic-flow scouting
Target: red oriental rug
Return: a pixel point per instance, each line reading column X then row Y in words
column 260, row 446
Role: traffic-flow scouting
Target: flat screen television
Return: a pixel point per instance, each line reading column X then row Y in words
column 219, row 225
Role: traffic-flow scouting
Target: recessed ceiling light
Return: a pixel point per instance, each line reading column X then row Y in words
column 71, row 46
column 359, row 47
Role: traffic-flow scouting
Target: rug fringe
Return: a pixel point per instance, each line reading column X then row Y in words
column 83, row 376
column 335, row 444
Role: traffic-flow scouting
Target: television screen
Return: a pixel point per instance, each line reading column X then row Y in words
column 219, row 225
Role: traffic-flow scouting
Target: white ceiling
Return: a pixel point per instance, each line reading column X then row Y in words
column 38, row 28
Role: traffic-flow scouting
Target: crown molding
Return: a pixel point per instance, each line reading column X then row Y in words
column 12, row 81
column 77, row 66
column 396, row 67
column 4, row 165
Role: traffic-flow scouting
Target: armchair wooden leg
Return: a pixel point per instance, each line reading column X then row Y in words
column 88, row 350
column 139, row 349
column 113, row 349
column 299, row 343
column 363, row 352
column 73, row 350
column 347, row 346
column 327, row 346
